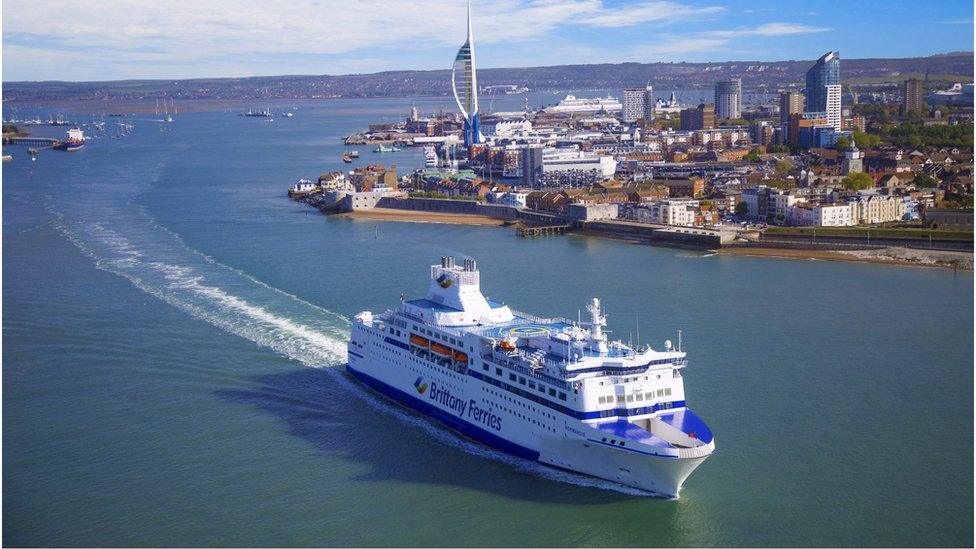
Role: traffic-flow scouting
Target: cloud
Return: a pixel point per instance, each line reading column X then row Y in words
column 116, row 39
column 769, row 29
column 685, row 47
column 647, row 12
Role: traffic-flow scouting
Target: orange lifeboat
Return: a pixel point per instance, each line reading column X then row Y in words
column 419, row 341
column 506, row 345
column 441, row 349
column 460, row 357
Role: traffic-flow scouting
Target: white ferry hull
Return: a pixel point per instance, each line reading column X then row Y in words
column 661, row 475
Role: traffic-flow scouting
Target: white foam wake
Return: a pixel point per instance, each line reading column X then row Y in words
column 162, row 265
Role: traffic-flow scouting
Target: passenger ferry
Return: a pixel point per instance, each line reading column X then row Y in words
column 551, row 390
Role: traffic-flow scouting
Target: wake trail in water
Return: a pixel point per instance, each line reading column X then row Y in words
column 126, row 241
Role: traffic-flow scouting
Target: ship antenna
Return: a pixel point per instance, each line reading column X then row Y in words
column 638, row 331
column 679, row 341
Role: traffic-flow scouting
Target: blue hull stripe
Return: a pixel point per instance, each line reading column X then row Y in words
column 467, row 429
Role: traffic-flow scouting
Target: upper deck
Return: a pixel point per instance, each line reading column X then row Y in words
column 556, row 347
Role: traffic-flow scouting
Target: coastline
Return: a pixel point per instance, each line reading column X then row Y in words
column 418, row 216
column 886, row 256
column 893, row 256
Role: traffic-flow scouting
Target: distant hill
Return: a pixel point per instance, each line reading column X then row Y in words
column 942, row 67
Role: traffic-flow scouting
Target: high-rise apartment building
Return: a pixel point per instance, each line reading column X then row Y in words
column 638, row 103
column 789, row 103
column 911, row 95
column 823, row 87
column 728, row 99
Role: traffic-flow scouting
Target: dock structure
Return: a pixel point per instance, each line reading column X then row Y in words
column 545, row 230
column 30, row 141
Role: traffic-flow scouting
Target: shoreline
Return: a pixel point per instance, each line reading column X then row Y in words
column 419, row 216
column 877, row 257
column 893, row 256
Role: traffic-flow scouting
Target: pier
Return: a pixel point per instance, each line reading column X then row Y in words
column 30, row 141
column 545, row 230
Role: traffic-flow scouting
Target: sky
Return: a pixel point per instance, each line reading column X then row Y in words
column 119, row 39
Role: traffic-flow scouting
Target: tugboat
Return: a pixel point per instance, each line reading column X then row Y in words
column 74, row 140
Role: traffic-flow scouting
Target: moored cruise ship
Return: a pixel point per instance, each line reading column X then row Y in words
column 552, row 390
column 573, row 104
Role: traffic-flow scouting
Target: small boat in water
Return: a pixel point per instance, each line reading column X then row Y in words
column 382, row 149
column 346, row 158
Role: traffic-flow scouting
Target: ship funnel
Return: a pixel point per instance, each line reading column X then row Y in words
column 444, row 261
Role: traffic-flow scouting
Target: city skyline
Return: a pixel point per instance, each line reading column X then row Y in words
column 228, row 39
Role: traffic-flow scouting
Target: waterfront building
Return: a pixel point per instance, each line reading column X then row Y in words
column 464, row 84
column 811, row 214
column 911, row 95
column 876, row 208
column 700, row 118
column 823, row 88
column 672, row 211
column 790, row 103
column 638, row 103
column 728, row 99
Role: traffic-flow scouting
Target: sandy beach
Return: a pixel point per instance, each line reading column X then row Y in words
column 413, row 216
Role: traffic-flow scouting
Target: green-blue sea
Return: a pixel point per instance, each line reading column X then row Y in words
column 173, row 349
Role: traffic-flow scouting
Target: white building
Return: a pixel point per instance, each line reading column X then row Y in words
column 806, row 214
column 505, row 128
column 638, row 103
column 833, row 105
column 672, row 211
column 514, row 198
column 554, row 160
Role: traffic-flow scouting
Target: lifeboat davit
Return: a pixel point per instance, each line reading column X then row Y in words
column 419, row 341
column 441, row 349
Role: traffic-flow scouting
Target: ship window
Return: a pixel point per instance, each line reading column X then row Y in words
column 667, row 391
column 620, row 398
column 630, row 398
column 640, row 397
column 562, row 396
column 522, row 380
column 541, row 388
column 660, row 392
column 531, row 384
column 511, row 377
column 552, row 392
column 498, row 371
